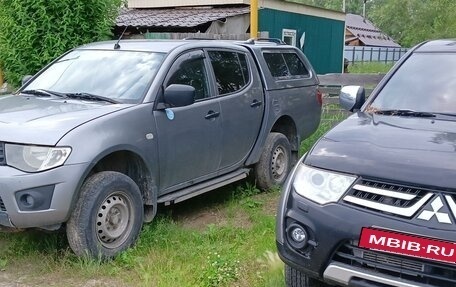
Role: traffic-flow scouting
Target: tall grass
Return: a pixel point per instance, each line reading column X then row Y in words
column 370, row 67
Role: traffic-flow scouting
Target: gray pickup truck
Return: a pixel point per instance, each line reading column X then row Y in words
column 100, row 137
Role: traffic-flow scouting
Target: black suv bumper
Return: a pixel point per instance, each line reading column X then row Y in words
column 332, row 253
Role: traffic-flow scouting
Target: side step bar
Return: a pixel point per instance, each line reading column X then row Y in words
column 204, row 187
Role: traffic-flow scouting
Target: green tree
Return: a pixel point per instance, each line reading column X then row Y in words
column 351, row 6
column 33, row 32
column 412, row 21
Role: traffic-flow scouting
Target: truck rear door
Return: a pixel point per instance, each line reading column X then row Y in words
column 242, row 104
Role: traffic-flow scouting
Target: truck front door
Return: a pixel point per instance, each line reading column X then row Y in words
column 189, row 137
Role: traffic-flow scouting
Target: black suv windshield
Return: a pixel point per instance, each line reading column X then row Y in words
column 122, row 76
column 426, row 82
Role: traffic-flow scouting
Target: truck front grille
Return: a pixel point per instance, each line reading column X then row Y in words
column 2, row 154
column 2, row 205
column 416, row 270
column 387, row 198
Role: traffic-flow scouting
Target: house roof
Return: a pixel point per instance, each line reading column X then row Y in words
column 363, row 30
column 176, row 17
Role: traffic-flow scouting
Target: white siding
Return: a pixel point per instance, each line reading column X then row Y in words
column 180, row 3
column 302, row 9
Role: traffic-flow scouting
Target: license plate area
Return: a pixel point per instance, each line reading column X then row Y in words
column 408, row 244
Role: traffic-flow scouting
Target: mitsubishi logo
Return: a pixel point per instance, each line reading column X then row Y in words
column 436, row 205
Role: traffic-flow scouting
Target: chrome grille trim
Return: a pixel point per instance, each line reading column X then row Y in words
column 385, row 192
column 407, row 212
column 451, row 203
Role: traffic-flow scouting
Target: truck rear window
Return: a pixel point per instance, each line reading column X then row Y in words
column 284, row 65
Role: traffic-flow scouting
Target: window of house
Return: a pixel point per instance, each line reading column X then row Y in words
column 289, row 36
column 231, row 71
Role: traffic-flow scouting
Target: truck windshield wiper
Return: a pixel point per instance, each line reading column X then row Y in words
column 43, row 93
column 447, row 114
column 91, row 97
column 405, row 113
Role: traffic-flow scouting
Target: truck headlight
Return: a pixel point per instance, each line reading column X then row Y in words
column 319, row 185
column 30, row 158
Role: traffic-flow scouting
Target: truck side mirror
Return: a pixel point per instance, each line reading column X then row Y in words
column 177, row 95
column 352, row 97
column 25, row 79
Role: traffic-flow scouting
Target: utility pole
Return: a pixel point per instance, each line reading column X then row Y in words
column 253, row 18
column 343, row 6
column 364, row 9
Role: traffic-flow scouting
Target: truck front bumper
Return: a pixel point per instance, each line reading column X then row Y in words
column 40, row 199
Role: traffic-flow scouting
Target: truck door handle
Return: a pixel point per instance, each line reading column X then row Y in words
column 256, row 103
column 211, row 115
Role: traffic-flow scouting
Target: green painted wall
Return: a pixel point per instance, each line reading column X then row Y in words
column 324, row 40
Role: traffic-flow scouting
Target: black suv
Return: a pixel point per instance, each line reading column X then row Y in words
column 373, row 203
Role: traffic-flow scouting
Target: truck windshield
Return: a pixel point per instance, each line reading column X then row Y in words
column 426, row 82
column 122, row 76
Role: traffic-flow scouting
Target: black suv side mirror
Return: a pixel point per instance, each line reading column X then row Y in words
column 179, row 95
column 352, row 97
column 26, row 78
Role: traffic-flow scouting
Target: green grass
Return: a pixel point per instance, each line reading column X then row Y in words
column 369, row 68
column 223, row 238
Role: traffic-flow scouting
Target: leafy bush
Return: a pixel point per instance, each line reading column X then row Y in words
column 33, row 32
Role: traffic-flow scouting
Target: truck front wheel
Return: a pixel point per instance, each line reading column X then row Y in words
column 108, row 216
column 274, row 164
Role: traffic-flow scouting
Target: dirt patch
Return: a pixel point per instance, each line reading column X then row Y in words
column 200, row 219
column 29, row 279
column 270, row 201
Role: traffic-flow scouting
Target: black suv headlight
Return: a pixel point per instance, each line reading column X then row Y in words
column 320, row 185
column 30, row 158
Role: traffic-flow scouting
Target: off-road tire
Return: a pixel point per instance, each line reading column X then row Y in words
column 108, row 216
column 294, row 278
column 275, row 162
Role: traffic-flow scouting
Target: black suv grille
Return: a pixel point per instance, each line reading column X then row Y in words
column 2, row 205
column 388, row 198
column 419, row 271
column 2, row 154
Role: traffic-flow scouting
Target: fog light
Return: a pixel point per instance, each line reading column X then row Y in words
column 298, row 234
column 35, row 199
column 27, row 200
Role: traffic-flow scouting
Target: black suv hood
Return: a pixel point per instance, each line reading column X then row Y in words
column 391, row 148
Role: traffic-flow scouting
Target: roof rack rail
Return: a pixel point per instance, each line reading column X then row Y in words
column 271, row 40
column 196, row 38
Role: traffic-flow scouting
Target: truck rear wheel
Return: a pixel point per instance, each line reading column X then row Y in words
column 108, row 216
column 274, row 164
column 294, row 278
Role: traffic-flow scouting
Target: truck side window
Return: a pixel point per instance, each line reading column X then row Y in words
column 231, row 71
column 192, row 72
column 295, row 65
column 286, row 65
column 276, row 65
